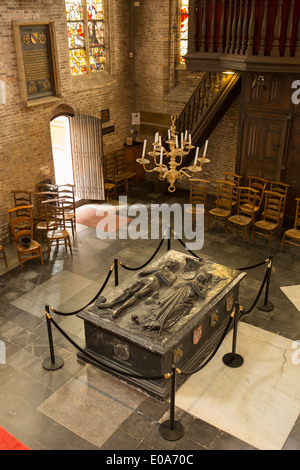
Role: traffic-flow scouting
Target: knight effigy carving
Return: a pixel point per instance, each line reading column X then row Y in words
column 166, row 294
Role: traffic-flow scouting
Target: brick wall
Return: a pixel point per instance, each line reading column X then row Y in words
column 25, row 140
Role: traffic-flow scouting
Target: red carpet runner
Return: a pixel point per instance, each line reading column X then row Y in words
column 9, row 442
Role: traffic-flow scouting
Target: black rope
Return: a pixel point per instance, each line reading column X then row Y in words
column 94, row 298
column 254, row 266
column 150, row 259
column 128, row 374
column 190, row 372
column 183, row 244
column 258, row 295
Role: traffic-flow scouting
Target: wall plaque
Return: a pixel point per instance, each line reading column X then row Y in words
column 37, row 61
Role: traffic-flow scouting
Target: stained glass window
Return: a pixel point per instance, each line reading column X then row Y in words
column 184, row 20
column 85, row 35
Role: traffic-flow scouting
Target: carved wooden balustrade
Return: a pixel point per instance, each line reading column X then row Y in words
column 244, row 35
column 207, row 98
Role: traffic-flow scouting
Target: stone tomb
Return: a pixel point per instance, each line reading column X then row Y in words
column 174, row 311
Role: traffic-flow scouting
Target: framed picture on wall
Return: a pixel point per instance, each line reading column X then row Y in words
column 37, row 61
column 105, row 115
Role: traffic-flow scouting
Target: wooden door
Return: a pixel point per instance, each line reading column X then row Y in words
column 263, row 145
column 87, row 151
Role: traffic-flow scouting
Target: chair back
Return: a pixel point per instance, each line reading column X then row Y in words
column 21, row 216
column 22, row 197
column 281, row 188
column 198, row 191
column 260, row 184
column 55, row 214
column 234, row 178
column 224, row 194
column 67, row 192
column 273, row 206
column 297, row 215
column 247, row 197
column 40, row 197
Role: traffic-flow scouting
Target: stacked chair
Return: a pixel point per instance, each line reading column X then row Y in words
column 67, row 193
column 56, row 224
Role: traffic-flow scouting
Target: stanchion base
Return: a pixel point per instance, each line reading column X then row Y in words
column 233, row 360
column 268, row 307
column 57, row 364
column 171, row 434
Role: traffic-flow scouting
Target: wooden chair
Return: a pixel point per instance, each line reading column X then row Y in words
column 233, row 178
column 241, row 222
column 292, row 236
column 260, row 184
column 110, row 189
column 41, row 224
column 56, row 224
column 21, row 197
column 34, row 249
column 269, row 225
column 67, row 193
column 115, row 173
column 198, row 193
column 281, row 188
column 3, row 255
column 223, row 209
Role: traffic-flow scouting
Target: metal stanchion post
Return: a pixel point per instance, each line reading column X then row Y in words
column 116, row 266
column 170, row 429
column 169, row 239
column 266, row 305
column 233, row 359
column 53, row 362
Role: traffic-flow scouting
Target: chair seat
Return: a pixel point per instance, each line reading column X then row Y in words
column 195, row 209
column 109, row 186
column 266, row 225
column 69, row 215
column 43, row 225
column 33, row 246
column 128, row 174
column 57, row 233
column 294, row 233
column 220, row 212
column 249, row 208
column 240, row 219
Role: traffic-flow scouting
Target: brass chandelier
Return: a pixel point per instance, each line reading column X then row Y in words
column 173, row 157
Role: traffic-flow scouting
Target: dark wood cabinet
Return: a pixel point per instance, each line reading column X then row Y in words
column 131, row 153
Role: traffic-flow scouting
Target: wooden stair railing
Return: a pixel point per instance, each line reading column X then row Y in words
column 210, row 94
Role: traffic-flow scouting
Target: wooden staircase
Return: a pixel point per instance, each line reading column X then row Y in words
column 206, row 101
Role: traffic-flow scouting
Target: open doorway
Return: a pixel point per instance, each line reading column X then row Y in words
column 61, row 149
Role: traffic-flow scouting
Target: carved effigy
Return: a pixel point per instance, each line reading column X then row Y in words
column 163, row 294
column 174, row 311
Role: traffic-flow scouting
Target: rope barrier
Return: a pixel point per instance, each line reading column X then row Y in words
column 147, row 262
column 94, row 359
column 169, row 429
column 259, row 293
column 93, row 299
column 254, row 266
column 191, row 372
